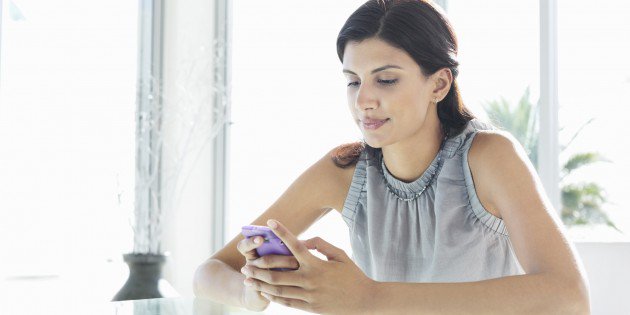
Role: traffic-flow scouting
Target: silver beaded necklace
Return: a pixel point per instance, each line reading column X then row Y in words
column 416, row 195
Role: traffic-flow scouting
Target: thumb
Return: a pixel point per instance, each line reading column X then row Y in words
column 330, row 251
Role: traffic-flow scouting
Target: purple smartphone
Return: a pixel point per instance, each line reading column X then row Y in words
column 272, row 245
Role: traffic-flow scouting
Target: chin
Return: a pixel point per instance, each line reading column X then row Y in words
column 375, row 143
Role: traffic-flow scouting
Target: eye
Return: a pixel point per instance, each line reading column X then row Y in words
column 388, row 82
column 382, row 82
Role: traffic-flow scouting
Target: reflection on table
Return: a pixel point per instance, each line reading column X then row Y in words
column 188, row 306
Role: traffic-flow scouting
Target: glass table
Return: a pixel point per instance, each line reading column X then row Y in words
column 180, row 306
column 189, row 306
column 164, row 306
column 80, row 294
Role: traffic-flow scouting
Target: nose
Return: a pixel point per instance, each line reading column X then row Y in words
column 365, row 99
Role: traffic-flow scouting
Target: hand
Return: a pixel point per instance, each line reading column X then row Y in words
column 335, row 286
column 251, row 298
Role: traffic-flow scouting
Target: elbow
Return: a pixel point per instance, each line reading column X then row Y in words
column 582, row 300
column 202, row 273
column 576, row 297
column 197, row 279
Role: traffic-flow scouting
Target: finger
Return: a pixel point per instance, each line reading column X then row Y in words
column 329, row 250
column 297, row 248
column 293, row 303
column 289, row 277
column 277, row 290
column 247, row 247
column 276, row 261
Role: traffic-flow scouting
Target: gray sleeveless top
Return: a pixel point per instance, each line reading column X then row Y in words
column 444, row 235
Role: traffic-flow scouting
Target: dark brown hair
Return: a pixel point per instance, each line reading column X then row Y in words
column 426, row 34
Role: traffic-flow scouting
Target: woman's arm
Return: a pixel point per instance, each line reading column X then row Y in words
column 218, row 281
column 555, row 281
column 542, row 293
column 322, row 187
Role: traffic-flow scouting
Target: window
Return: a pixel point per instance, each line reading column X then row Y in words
column 285, row 86
column 498, row 51
column 500, row 66
column 289, row 104
column 67, row 92
column 501, row 62
column 593, row 92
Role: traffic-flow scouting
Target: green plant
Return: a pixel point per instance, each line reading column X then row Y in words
column 581, row 202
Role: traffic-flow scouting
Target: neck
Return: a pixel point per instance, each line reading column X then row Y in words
column 407, row 160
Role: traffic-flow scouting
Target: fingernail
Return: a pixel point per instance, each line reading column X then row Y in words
column 272, row 224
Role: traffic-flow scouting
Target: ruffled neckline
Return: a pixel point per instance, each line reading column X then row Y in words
column 449, row 147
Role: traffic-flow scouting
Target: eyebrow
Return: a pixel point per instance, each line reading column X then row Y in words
column 375, row 70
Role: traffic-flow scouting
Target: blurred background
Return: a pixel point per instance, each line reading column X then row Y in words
column 185, row 120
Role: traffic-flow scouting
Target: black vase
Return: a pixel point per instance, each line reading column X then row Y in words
column 145, row 272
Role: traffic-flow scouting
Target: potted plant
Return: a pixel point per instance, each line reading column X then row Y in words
column 181, row 124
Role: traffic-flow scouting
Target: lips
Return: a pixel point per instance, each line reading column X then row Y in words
column 372, row 121
column 373, row 124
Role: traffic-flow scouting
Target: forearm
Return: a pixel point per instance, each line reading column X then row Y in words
column 217, row 281
column 522, row 294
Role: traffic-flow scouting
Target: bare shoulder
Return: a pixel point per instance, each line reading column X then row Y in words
column 496, row 158
column 488, row 140
column 509, row 183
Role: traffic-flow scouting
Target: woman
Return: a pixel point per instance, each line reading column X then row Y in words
column 446, row 214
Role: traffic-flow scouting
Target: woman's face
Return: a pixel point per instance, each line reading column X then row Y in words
column 388, row 96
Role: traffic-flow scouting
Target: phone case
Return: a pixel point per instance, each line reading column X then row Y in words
column 272, row 245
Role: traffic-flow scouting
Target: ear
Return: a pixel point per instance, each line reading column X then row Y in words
column 442, row 79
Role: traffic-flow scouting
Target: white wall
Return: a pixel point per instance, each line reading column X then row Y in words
column 608, row 269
